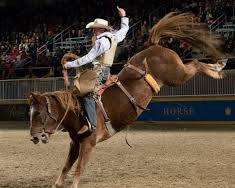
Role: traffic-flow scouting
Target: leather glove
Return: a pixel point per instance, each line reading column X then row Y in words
column 71, row 64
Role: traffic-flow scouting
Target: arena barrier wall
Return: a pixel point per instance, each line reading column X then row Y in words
column 213, row 110
column 202, row 109
column 201, row 99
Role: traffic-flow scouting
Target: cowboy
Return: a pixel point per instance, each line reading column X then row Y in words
column 102, row 55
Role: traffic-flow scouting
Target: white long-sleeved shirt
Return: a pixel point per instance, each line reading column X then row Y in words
column 102, row 44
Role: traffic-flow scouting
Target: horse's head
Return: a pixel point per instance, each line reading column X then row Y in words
column 43, row 117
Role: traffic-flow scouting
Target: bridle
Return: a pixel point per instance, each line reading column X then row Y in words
column 44, row 128
column 52, row 116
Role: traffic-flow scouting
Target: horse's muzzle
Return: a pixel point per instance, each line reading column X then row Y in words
column 44, row 137
column 35, row 140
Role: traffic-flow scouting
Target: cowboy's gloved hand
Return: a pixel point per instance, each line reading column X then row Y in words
column 71, row 64
column 121, row 12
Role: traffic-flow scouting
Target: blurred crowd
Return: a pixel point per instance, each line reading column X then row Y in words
column 23, row 32
column 205, row 11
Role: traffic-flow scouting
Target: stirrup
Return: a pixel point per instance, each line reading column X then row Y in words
column 83, row 129
column 86, row 128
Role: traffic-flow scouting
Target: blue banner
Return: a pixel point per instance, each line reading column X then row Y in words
column 190, row 109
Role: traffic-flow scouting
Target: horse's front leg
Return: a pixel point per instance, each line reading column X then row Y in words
column 72, row 157
column 87, row 145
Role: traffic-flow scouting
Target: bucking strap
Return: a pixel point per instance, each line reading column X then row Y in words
column 132, row 99
column 152, row 82
column 136, row 69
column 149, row 78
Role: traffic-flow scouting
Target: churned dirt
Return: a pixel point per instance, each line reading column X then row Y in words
column 181, row 158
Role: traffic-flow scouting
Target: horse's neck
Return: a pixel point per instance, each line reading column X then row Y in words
column 70, row 117
column 72, row 121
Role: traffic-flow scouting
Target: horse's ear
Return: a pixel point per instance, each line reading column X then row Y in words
column 33, row 98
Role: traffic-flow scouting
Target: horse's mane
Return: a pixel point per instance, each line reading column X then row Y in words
column 66, row 99
column 182, row 26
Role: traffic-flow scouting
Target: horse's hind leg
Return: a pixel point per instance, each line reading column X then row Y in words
column 214, row 70
column 211, row 70
column 72, row 157
column 87, row 145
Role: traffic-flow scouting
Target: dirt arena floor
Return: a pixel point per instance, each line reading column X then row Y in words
column 159, row 157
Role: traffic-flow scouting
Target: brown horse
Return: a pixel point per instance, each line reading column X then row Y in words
column 50, row 111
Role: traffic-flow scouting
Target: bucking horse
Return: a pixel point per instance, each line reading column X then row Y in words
column 124, row 100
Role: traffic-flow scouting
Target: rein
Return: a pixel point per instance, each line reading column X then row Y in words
column 51, row 115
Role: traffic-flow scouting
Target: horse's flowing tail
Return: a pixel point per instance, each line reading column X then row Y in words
column 183, row 27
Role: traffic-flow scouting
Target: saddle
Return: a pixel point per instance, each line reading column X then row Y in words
column 109, row 82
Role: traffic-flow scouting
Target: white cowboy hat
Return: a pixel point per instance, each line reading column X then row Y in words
column 99, row 23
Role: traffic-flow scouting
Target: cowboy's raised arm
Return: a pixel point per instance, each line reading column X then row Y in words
column 102, row 44
column 121, row 33
column 99, row 48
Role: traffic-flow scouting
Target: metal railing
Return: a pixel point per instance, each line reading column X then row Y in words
column 203, row 85
column 41, row 49
column 66, row 33
column 158, row 13
column 71, row 43
column 63, row 39
column 14, row 90
column 218, row 22
column 20, row 89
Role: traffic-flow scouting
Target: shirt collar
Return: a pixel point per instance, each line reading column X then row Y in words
column 102, row 34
